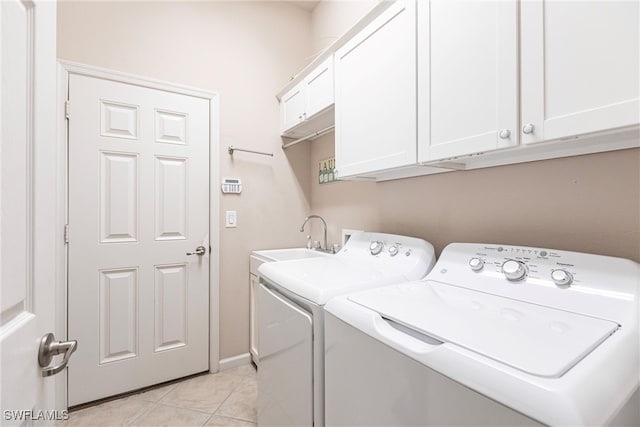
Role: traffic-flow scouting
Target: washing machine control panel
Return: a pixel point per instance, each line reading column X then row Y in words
column 518, row 263
column 378, row 247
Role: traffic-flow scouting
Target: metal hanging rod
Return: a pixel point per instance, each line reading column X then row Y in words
column 308, row 137
column 262, row 153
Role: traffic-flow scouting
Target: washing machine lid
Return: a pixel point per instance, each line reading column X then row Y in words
column 320, row 279
column 538, row 340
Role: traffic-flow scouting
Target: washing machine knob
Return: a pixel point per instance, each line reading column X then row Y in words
column 476, row 264
column 376, row 247
column 393, row 250
column 561, row 277
column 514, row 270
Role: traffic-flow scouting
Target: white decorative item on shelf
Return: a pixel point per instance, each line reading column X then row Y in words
column 231, row 185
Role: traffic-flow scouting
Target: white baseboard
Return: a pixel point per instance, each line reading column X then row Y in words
column 235, row 361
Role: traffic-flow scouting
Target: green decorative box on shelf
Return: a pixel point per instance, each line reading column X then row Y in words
column 326, row 171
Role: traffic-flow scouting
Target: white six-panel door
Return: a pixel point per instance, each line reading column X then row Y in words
column 27, row 204
column 138, row 203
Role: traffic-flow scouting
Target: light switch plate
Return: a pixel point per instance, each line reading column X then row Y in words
column 231, row 219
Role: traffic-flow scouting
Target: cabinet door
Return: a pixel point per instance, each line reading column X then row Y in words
column 467, row 77
column 285, row 377
column 375, row 82
column 253, row 322
column 319, row 88
column 292, row 107
column 579, row 67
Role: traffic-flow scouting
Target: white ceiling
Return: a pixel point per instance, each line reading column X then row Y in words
column 305, row 4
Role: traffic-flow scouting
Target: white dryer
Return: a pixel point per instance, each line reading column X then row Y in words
column 290, row 303
column 494, row 335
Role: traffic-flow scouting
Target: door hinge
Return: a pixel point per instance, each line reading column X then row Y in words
column 66, row 233
column 66, row 109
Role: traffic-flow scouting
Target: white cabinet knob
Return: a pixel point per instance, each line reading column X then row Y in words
column 505, row 134
column 528, row 128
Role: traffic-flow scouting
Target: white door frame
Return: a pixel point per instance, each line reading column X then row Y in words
column 65, row 68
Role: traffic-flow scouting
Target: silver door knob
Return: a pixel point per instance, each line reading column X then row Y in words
column 49, row 348
column 505, row 134
column 200, row 250
column 528, row 128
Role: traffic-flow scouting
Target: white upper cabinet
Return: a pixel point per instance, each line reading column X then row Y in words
column 467, row 77
column 292, row 108
column 306, row 107
column 375, row 94
column 580, row 70
column 319, row 88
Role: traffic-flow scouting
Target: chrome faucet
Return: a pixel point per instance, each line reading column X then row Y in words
column 326, row 249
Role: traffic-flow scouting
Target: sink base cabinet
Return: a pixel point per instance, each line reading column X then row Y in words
column 254, row 262
column 253, row 328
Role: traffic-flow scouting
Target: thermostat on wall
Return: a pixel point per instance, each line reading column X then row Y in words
column 231, row 185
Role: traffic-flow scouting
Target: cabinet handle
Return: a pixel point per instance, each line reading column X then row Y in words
column 528, row 128
column 505, row 134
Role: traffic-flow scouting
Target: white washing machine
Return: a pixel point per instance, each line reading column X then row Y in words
column 290, row 303
column 494, row 335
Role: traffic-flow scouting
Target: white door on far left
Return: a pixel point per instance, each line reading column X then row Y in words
column 28, row 208
column 138, row 236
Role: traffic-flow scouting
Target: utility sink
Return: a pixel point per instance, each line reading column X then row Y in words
column 290, row 254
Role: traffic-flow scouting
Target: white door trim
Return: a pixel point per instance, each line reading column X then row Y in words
column 66, row 68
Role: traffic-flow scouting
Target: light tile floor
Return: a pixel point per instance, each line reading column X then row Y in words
column 227, row 398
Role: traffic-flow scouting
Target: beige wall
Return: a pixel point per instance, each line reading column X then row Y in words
column 585, row 203
column 332, row 18
column 245, row 52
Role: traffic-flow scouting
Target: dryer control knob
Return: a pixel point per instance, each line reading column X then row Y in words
column 376, row 247
column 393, row 250
column 561, row 277
column 514, row 270
column 476, row 264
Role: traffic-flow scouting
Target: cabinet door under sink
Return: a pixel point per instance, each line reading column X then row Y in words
column 285, row 376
